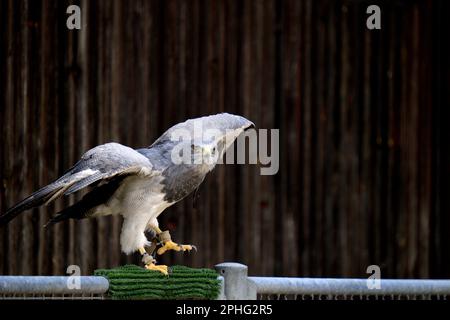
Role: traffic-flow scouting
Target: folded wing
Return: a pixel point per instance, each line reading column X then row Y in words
column 97, row 165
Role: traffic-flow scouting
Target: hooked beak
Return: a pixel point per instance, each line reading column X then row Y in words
column 250, row 126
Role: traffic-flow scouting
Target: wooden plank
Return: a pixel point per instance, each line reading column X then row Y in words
column 361, row 117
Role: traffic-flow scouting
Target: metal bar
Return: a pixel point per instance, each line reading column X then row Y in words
column 52, row 285
column 221, row 295
column 327, row 286
column 236, row 284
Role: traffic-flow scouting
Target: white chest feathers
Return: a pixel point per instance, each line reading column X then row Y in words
column 138, row 200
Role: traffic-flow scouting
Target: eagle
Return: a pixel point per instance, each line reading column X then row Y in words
column 139, row 184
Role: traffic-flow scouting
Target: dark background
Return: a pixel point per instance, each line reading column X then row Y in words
column 363, row 117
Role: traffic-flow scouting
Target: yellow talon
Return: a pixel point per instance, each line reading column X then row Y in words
column 170, row 245
column 161, row 268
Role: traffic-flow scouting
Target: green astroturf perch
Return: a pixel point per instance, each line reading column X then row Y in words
column 133, row 282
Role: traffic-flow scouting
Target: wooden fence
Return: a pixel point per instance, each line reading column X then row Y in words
column 364, row 162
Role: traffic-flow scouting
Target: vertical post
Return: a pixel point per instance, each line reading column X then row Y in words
column 221, row 295
column 236, row 282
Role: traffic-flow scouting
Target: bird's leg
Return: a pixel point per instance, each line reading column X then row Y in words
column 168, row 244
column 152, row 247
column 151, row 233
column 150, row 262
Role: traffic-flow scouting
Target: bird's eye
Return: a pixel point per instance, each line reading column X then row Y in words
column 214, row 150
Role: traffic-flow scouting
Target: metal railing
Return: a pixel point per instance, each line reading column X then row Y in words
column 236, row 285
column 45, row 287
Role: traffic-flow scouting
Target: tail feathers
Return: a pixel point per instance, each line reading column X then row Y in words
column 85, row 208
column 36, row 199
column 75, row 211
column 79, row 210
column 44, row 195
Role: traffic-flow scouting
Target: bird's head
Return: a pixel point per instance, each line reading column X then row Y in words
column 218, row 134
column 204, row 154
column 207, row 138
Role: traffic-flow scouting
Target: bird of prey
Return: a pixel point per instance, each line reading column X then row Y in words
column 140, row 184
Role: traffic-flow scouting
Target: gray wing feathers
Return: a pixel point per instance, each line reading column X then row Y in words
column 78, row 185
column 106, row 161
column 102, row 162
